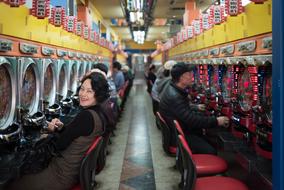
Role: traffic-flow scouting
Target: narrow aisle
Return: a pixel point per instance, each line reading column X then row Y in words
column 167, row 177
column 137, row 171
column 109, row 178
column 137, row 160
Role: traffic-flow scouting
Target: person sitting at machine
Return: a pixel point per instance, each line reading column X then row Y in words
column 151, row 77
column 117, row 75
column 163, row 79
column 174, row 105
column 163, row 76
column 73, row 142
column 110, row 106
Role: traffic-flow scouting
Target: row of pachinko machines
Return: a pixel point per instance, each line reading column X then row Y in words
column 240, row 88
column 33, row 91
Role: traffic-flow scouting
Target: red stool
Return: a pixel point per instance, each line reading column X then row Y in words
column 166, row 136
column 203, row 183
column 206, row 164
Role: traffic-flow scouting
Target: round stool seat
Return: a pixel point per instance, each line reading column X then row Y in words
column 208, row 164
column 220, row 183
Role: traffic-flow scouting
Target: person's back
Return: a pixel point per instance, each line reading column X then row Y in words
column 110, row 106
column 162, row 80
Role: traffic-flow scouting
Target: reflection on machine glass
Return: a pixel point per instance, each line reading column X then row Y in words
column 62, row 79
column 81, row 71
column 268, row 96
column 227, row 84
column 72, row 76
column 214, row 81
column 5, row 94
column 28, row 94
column 48, row 82
column 245, row 91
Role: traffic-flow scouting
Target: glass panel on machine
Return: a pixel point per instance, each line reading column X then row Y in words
column 81, row 72
column 245, row 91
column 28, row 89
column 203, row 77
column 88, row 67
column 227, row 84
column 268, row 96
column 73, row 76
column 62, row 79
column 48, row 82
column 214, row 80
column 5, row 94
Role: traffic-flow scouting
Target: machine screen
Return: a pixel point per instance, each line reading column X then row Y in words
column 48, row 82
column 28, row 94
column 227, row 84
column 62, row 79
column 245, row 91
column 5, row 94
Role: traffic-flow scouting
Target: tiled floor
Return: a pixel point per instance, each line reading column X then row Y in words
column 136, row 160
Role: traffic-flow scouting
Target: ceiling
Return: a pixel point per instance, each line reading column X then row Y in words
column 164, row 14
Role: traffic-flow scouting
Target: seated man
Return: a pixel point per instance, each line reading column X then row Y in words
column 174, row 104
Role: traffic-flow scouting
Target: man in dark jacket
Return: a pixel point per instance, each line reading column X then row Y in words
column 175, row 104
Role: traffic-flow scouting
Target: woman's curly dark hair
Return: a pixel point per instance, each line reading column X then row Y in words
column 99, row 86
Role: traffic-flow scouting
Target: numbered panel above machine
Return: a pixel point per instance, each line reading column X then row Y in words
column 8, row 67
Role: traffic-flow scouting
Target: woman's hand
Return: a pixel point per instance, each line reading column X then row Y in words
column 55, row 124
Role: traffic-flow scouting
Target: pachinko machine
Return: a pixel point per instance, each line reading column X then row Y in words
column 245, row 96
column 263, row 111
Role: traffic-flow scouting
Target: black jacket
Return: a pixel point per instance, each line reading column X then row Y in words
column 175, row 104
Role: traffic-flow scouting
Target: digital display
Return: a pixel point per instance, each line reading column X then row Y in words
column 5, row 94
column 48, row 82
column 28, row 91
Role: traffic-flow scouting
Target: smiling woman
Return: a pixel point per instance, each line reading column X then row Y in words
column 86, row 94
column 73, row 141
